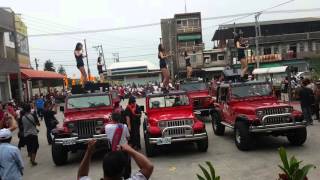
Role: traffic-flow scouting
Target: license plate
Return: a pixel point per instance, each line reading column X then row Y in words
column 162, row 141
column 69, row 142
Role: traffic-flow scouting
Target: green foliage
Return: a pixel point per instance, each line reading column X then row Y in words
column 291, row 168
column 48, row 66
column 207, row 175
column 61, row 70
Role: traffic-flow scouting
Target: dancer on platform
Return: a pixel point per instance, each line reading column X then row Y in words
column 78, row 54
column 163, row 67
column 241, row 46
column 100, row 71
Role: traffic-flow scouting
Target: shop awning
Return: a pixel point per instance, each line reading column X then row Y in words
column 189, row 37
column 213, row 69
column 271, row 70
column 41, row 75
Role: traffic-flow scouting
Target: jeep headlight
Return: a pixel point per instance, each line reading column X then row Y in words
column 259, row 113
column 288, row 110
column 100, row 123
column 189, row 122
column 162, row 124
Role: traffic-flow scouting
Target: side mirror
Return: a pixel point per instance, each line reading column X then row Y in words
column 62, row 108
column 142, row 108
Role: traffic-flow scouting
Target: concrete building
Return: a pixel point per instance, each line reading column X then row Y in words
column 183, row 33
column 138, row 72
column 8, row 60
column 282, row 42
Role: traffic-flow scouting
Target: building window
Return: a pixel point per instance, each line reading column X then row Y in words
column 266, row 50
column 220, row 57
column 317, row 44
column 275, row 50
column 301, row 47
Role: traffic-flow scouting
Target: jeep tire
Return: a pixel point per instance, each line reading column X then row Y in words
column 59, row 154
column 297, row 136
column 150, row 148
column 242, row 137
column 217, row 127
column 202, row 145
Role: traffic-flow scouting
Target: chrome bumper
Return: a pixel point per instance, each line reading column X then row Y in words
column 76, row 140
column 194, row 137
column 278, row 127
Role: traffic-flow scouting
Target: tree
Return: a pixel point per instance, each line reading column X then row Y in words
column 48, row 66
column 61, row 70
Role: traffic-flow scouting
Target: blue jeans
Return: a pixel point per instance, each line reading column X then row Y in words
column 307, row 114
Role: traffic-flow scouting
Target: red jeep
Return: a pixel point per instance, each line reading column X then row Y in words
column 170, row 119
column 198, row 92
column 85, row 116
column 250, row 109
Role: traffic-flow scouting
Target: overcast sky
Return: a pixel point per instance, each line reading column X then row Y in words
column 46, row 16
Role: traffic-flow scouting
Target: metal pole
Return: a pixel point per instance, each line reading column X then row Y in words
column 85, row 46
column 258, row 34
column 170, row 47
column 20, row 90
column 105, row 64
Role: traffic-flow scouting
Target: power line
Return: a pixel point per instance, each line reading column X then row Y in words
column 243, row 15
column 70, row 28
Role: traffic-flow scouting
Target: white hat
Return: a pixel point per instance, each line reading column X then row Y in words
column 5, row 134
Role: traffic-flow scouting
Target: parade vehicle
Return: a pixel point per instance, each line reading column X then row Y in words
column 170, row 119
column 85, row 116
column 198, row 92
column 251, row 109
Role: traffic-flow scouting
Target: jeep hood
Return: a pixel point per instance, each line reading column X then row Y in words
column 82, row 115
column 198, row 94
column 167, row 115
column 253, row 105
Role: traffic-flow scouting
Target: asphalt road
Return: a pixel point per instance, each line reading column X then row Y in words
column 181, row 162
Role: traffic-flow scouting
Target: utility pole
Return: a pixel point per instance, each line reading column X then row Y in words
column 116, row 57
column 258, row 34
column 85, row 46
column 37, row 65
column 99, row 48
column 185, row 6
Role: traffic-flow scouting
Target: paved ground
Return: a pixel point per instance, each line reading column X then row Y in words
column 181, row 162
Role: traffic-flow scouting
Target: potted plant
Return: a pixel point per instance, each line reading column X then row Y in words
column 291, row 168
column 207, row 175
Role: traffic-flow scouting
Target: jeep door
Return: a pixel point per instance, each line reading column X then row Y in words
column 224, row 97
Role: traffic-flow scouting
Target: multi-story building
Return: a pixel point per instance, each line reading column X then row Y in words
column 8, row 60
column 282, row 42
column 183, row 33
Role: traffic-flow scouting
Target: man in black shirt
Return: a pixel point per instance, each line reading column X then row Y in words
column 132, row 117
column 306, row 97
column 49, row 120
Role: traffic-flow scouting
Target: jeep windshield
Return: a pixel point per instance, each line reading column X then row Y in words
column 88, row 102
column 194, row 86
column 251, row 90
column 168, row 101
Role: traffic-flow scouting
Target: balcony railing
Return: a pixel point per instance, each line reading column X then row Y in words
column 191, row 48
column 279, row 38
column 188, row 29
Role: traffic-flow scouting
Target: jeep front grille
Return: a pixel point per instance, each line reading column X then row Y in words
column 86, row 129
column 177, row 131
column 271, row 111
column 176, row 123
